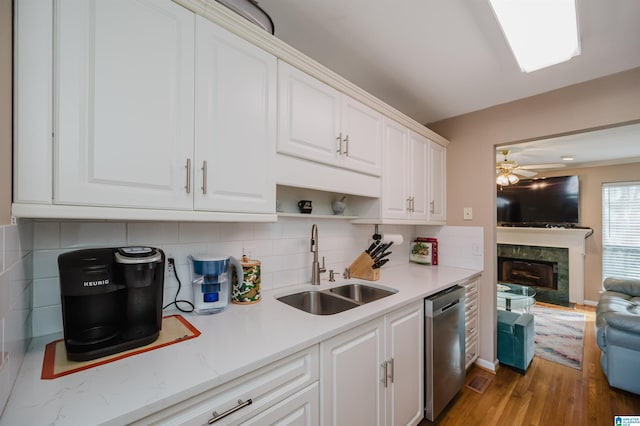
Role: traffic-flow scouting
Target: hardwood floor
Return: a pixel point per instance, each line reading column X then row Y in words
column 548, row 394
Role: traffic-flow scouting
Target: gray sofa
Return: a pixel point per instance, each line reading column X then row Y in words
column 618, row 333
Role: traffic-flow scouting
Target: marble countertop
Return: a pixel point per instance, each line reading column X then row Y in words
column 232, row 343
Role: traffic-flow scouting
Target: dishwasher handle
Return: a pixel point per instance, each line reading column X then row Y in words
column 449, row 306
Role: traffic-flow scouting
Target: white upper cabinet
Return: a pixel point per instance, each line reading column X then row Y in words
column 405, row 176
column 235, row 123
column 438, row 182
column 123, row 114
column 318, row 123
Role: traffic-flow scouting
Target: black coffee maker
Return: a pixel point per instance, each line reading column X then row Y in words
column 111, row 299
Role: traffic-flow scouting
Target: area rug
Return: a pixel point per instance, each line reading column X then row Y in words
column 559, row 335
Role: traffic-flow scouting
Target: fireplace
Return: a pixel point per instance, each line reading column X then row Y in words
column 545, row 269
column 570, row 270
column 532, row 273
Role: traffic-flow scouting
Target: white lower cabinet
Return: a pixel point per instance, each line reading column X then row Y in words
column 373, row 374
column 283, row 393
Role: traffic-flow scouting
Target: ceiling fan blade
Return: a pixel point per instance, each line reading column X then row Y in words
column 525, row 173
column 543, row 166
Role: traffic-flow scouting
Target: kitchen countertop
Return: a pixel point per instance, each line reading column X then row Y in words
column 232, row 343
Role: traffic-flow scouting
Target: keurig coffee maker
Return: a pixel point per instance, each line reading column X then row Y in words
column 111, row 299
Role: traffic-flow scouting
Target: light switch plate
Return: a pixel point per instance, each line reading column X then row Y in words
column 467, row 213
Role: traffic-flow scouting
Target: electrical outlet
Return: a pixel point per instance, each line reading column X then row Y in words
column 170, row 265
column 467, row 213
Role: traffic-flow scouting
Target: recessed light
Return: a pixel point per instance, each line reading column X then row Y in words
column 567, row 158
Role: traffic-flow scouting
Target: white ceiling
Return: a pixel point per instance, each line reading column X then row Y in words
column 618, row 145
column 434, row 59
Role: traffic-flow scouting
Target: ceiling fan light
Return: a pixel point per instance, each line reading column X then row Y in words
column 513, row 179
column 540, row 33
column 502, row 180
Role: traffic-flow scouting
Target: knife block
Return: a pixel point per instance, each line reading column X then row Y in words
column 362, row 268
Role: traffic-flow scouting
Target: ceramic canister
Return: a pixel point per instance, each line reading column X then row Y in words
column 248, row 291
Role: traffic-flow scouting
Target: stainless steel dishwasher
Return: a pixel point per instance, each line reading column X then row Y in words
column 444, row 348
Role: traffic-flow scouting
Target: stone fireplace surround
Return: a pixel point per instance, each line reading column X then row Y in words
column 570, row 238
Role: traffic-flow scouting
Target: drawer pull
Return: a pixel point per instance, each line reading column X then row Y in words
column 240, row 406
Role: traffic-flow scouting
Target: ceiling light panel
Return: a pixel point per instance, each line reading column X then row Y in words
column 540, row 33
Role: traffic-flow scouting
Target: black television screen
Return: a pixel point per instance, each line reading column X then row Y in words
column 538, row 202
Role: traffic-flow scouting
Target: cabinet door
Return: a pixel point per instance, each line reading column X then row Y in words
column 405, row 349
column 438, row 182
column 351, row 377
column 124, row 123
column 361, row 133
column 308, row 116
column 235, row 125
column 395, row 181
column 419, row 176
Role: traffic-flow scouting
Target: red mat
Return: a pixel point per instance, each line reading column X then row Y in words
column 175, row 329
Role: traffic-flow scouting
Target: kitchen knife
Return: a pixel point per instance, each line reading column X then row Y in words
column 380, row 263
column 372, row 246
column 379, row 249
column 382, row 256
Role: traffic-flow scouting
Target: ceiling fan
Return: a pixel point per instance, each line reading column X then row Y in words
column 507, row 170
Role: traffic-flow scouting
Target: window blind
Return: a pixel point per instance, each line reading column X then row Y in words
column 621, row 230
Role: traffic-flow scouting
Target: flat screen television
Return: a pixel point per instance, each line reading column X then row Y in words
column 552, row 201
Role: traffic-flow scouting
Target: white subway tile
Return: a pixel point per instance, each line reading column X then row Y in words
column 236, row 231
column 92, row 234
column 254, row 249
column 46, row 235
column 299, row 228
column 267, row 231
column 291, row 246
column 225, row 248
column 5, row 384
column 12, row 250
column 45, row 263
column 152, row 233
column 199, row 232
column 46, row 292
column 47, row 320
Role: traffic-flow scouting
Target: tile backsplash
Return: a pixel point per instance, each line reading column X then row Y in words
column 283, row 248
column 16, row 295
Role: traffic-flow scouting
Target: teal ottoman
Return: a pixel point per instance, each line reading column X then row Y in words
column 515, row 340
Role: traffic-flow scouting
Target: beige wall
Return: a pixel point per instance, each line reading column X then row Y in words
column 6, row 63
column 471, row 156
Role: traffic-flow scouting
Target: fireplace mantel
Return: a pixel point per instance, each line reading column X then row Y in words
column 570, row 238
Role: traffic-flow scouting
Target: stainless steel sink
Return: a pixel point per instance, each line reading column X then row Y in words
column 361, row 293
column 318, row 302
column 335, row 300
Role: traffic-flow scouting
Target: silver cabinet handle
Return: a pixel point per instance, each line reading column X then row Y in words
column 409, row 204
column 432, row 206
column 346, row 144
column 339, row 150
column 392, row 369
column 188, row 167
column 204, row 177
column 240, row 406
column 384, row 374
column 413, row 204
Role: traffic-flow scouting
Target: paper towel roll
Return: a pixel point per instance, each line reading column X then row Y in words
column 396, row 238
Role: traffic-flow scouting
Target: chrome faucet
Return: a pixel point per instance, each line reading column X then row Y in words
column 316, row 269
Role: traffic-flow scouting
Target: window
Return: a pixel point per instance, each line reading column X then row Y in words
column 621, row 230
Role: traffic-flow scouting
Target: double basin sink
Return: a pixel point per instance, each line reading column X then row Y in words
column 335, row 300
